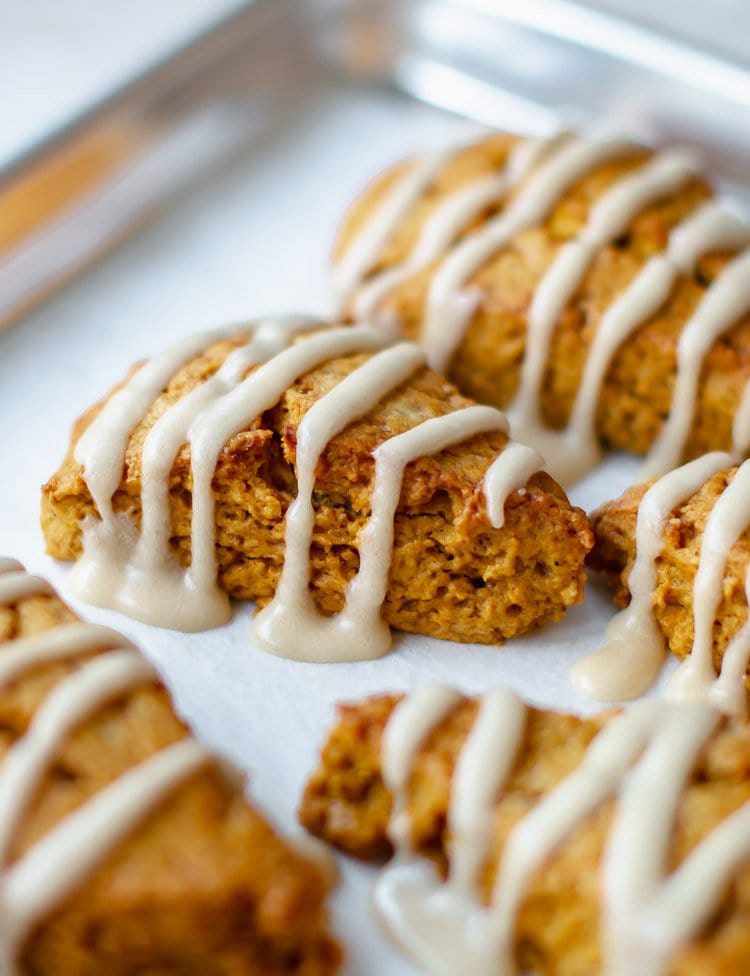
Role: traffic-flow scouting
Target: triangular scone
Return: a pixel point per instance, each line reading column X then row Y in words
column 127, row 848
column 677, row 553
column 591, row 288
column 532, row 841
column 446, row 569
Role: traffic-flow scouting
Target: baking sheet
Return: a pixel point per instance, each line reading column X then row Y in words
column 254, row 241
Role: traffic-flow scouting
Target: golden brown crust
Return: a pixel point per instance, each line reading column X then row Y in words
column 636, row 394
column 676, row 566
column 346, row 803
column 202, row 886
column 452, row 574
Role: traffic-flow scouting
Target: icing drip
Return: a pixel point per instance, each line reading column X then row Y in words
column 364, row 250
column 64, row 642
column 449, row 306
column 288, row 625
column 101, row 448
column 572, row 452
column 507, row 473
column 635, row 858
column 642, row 758
column 634, row 647
column 136, row 572
column 695, row 679
column 443, row 226
column 18, row 585
column 62, row 859
column 741, row 425
column 724, row 304
column 555, row 166
column 33, row 886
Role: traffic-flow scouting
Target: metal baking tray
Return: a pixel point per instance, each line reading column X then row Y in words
column 536, row 64
column 234, row 161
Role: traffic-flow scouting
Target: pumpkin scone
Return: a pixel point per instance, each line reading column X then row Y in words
column 677, row 554
column 324, row 472
column 531, row 841
column 593, row 288
column 125, row 847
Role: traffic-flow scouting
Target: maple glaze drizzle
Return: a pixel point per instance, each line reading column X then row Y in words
column 137, row 572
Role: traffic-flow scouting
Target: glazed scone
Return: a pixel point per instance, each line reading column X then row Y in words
column 687, row 569
column 127, row 847
column 560, row 846
column 591, row 288
column 464, row 538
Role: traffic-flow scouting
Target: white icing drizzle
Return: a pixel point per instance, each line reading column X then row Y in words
column 101, row 448
column 8, row 565
column 69, row 703
column 480, row 773
column 367, row 245
column 409, row 727
column 642, row 758
column 289, row 626
column 449, row 218
column 634, row 648
column 572, row 452
column 65, row 641
column 449, row 308
column 635, row 855
column 138, row 574
column 741, row 425
column 50, row 870
column 723, row 305
column 695, row 679
column 63, row 858
column 18, row 585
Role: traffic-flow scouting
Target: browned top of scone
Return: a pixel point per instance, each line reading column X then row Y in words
column 676, row 564
column 203, row 877
column 636, row 394
column 347, row 461
column 557, row 930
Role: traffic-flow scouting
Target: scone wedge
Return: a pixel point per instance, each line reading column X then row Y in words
column 677, row 554
column 412, row 507
column 532, row 841
column 126, row 847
